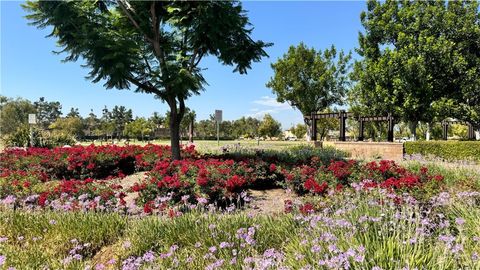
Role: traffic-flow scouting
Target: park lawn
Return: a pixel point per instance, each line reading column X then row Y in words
column 210, row 146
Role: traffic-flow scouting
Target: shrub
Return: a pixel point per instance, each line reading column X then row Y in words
column 448, row 150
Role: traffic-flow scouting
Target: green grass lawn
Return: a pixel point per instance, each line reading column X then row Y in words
column 205, row 146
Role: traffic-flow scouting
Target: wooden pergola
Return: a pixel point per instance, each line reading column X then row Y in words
column 446, row 123
column 343, row 115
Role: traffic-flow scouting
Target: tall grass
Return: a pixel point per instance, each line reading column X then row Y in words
column 354, row 229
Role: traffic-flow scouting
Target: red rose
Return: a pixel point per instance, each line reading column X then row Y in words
column 273, row 167
column 307, row 208
column 288, row 206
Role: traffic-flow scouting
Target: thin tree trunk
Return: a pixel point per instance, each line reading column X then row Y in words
column 190, row 132
column 413, row 129
column 429, row 131
column 309, row 130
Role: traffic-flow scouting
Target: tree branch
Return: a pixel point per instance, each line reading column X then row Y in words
column 159, row 53
column 146, row 87
column 148, row 65
column 198, row 60
column 132, row 20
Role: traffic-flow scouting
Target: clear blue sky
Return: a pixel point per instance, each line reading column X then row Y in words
column 30, row 70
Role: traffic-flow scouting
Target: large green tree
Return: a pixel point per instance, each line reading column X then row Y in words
column 14, row 115
column 68, row 126
column 139, row 128
column 155, row 47
column 269, row 127
column 121, row 116
column 310, row 80
column 47, row 111
column 416, row 53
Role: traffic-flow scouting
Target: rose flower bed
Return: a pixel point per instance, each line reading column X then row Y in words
column 81, row 162
column 32, row 174
column 319, row 179
column 26, row 177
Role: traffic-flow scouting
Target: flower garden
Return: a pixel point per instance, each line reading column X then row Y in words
column 77, row 208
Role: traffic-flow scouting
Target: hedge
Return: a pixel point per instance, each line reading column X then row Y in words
column 448, row 150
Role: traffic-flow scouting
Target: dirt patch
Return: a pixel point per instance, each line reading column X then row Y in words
column 270, row 201
column 128, row 182
column 108, row 256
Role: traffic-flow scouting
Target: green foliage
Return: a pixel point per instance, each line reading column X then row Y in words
column 245, row 127
column 46, row 238
column 326, row 124
column 416, row 54
column 391, row 236
column 449, row 150
column 269, row 127
column 47, row 112
column 155, row 46
column 14, row 115
column 69, row 126
column 300, row 130
column 310, row 80
column 139, row 128
column 74, row 113
column 300, row 154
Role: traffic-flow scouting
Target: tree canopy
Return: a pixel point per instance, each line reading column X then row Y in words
column 310, row 80
column 269, row 127
column 152, row 47
column 416, row 54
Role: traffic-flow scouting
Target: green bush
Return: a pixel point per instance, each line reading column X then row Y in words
column 449, row 150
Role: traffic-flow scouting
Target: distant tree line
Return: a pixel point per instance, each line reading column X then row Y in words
column 116, row 123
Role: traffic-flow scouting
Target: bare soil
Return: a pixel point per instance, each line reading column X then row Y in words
column 269, row 201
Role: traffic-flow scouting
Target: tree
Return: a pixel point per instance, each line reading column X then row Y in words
column 68, row 126
column 247, row 127
column 205, row 129
column 120, row 117
column 47, row 112
column 299, row 131
column 188, row 123
column 138, row 128
column 107, row 126
column 74, row 113
column 269, row 127
column 155, row 46
column 14, row 115
column 91, row 122
column 414, row 54
column 326, row 124
column 310, row 80
column 157, row 120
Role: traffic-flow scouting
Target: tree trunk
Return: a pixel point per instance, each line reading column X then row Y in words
column 413, row 129
column 429, row 131
column 190, row 132
column 309, row 130
column 176, row 116
column 175, row 135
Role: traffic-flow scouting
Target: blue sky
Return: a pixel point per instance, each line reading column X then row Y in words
column 30, row 70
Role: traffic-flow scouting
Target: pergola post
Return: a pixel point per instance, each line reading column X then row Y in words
column 361, row 130
column 445, row 130
column 390, row 128
column 471, row 132
column 342, row 126
column 314, row 127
